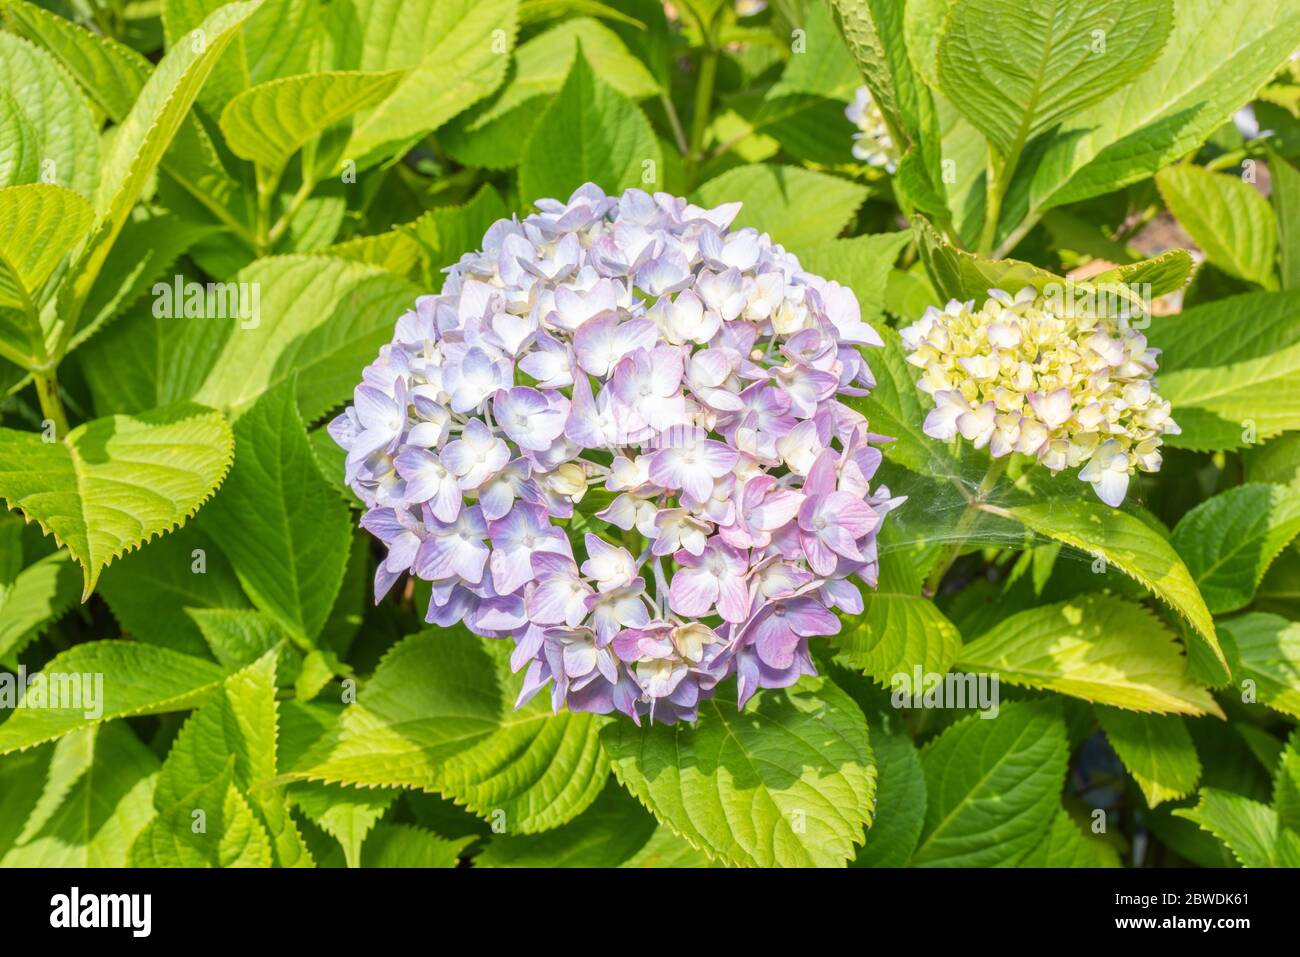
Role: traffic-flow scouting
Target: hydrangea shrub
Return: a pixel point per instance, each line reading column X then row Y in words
column 484, row 433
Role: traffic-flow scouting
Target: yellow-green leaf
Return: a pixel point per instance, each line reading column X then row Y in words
column 112, row 484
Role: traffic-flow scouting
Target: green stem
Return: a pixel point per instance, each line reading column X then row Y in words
column 1125, row 233
column 675, row 122
column 290, row 210
column 952, row 551
column 1249, row 150
column 267, row 181
column 995, row 180
column 703, row 104
column 47, row 392
column 1017, row 234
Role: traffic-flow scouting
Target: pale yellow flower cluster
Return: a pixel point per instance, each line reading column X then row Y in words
column 1024, row 374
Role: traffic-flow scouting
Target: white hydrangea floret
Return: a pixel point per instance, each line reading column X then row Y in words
column 872, row 144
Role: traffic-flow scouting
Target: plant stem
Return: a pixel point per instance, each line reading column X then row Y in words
column 1127, row 232
column 290, row 210
column 993, row 200
column 47, row 392
column 952, row 550
column 703, row 104
column 1017, row 234
column 267, row 181
column 675, row 122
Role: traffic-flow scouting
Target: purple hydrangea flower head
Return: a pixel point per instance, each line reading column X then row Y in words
column 686, row 376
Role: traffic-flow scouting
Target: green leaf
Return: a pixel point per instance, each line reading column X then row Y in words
column 148, row 246
column 812, row 129
column 861, row 263
column 666, row 849
column 823, row 67
column 1156, row 749
column 1229, row 541
column 1265, row 649
column 283, row 528
column 235, row 722
column 898, row 630
column 607, row 834
column 319, row 318
column 1015, row 68
column 874, row 31
column 394, row 251
column 499, row 128
column 280, row 39
column 153, row 592
column 1250, row 829
column 446, row 233
column 1132, row 546
column 992, row 787
column 270, row 122
column 114, row 483
column 1285, row 185
column 895, row 408
column 232, row 836
column 37, row 596
column 437, row 716
column 797, row 207
column 142, row 361
column 1102, row 649
column 112, row 74
column 39, row 225
column 58, row 115
column 22, row 782
column 788, row 782
column 590, row 133
column 318, row 221
column 138, row 679
column 498, row 145
column 1229, row 219
column 354, row 600
column 1219, row 54
column 97, row 798
column 457, row 52
column 1286, row 784
column 406, row 846
column 1166, row 273
column 923, row 23
column 142, row 138
column 232, row 737
column 20, row 149
column 900, row 801
column 1219, row 359
column 346, row 814
column 1265, row 748
column 957, row 274
column 236, row 637
column 1276, row 461
column 107, row 70
column 1067, row 846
